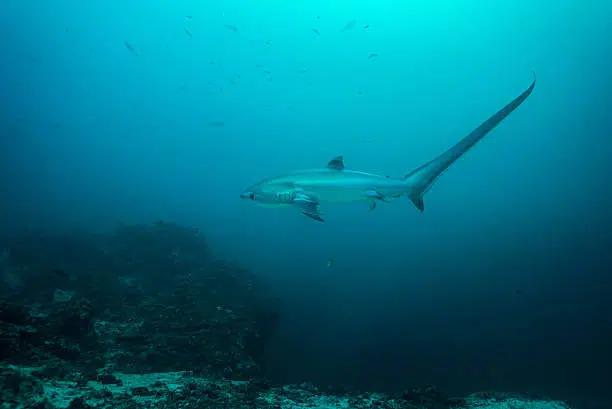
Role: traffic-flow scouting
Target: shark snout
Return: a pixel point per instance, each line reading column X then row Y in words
column 247, row 195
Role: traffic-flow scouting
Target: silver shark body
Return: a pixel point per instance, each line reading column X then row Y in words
column 307, row 189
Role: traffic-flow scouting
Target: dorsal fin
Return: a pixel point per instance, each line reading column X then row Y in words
column 336, row 163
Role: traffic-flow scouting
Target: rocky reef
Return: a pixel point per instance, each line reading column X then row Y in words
column 147, row 298
column 174, row 390
column 146, row 317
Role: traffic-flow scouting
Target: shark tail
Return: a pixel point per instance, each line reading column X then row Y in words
column 422, row 178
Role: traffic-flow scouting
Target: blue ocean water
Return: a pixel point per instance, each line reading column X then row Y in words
column 138, row 111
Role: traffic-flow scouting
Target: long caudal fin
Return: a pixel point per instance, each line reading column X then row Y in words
column 423, row 177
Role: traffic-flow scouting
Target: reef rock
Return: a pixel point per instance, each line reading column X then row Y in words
column 184, row 390
column 147, row 298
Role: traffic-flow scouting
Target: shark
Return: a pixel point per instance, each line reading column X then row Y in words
column 306, row 189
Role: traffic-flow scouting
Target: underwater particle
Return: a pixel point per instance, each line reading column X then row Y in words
column 188, row 17
column 350, row 25
column 216, row 123
column 130, row 48
column 235, row 79
column 366, row 26
column 231, row 27
column 314, row 30
column 188, row 33
column 372, row 55
column 330, row 263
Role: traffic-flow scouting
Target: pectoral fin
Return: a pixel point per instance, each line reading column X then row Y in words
column 308, row 205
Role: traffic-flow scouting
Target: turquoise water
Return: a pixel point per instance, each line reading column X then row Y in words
column 138, row 111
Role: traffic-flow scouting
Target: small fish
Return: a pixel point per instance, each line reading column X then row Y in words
column 373, row 55
column 314, row 30
column 216, row 123
column 330, row 263
column 188, row 17
column 188, row 33
column 349, row 26
column 366, row 26
column 231, row 27
column 130, row 48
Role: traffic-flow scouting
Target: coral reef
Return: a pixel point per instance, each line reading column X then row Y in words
column 146, row 317
column 147, row 298
column 175, row 390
